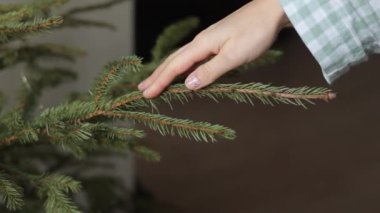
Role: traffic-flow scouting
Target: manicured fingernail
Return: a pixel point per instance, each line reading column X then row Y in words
column 146, row 93
column 192, row 82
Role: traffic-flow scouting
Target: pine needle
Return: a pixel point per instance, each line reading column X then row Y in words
column 18, row 30
column 199, row 131
column 10, row 193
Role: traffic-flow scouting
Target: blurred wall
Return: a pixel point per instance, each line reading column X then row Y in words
column 102, row 46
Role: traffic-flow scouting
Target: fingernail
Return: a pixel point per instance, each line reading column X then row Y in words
column 192, row 82
column 147, row 92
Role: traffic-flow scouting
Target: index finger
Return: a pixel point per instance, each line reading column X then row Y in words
column 195, row 52
column 148, row 81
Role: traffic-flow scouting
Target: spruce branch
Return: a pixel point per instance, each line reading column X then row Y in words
column 124, row 134
column 37, row 8
column 245, row 93
column 15, row 16
column 54, row 189
column 30, row 53
column 241, row 93
column 112, row 74
column 36, row 81
column 44, row 6
column 16, row 13
column 72, row 21
column 18, row 30
column 90, row 8
column 78, row 22
column 25, row 135
column 146, row 153
column 10, row 193
column 83, row 111
column 72, row 138
column 200, row 131
column 172, row 36
column 14, row 128
column 7, row 8
column 269, row 57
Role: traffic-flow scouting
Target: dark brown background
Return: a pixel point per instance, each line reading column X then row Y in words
column 285, row 158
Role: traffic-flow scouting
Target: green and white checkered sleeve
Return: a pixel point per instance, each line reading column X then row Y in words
column 339, row 33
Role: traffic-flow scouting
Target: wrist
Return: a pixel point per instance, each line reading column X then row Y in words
column 278, row 14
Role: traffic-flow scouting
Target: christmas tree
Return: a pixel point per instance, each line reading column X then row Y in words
column 36, row 145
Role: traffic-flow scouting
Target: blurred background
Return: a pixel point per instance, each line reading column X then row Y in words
column 285, row 159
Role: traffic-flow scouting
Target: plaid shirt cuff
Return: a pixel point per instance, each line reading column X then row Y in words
column 339, row 33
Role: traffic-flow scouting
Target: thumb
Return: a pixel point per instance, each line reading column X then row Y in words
column 208, row 72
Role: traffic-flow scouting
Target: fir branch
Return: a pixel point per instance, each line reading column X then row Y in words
column 73, row 138
column 30, row 53
column 71, row 21
column 77, row 22
column 112, row 74
column 172, row 36
column 16, row 129
column 245, row 93
column 241, row 93
column 15, row 16
column 100, row 146
column 269, row 57
column 82, row 111
column 200, row 131
column 36, row 81
column 67, row 112
column 90, row 8
column 118, row 133
column 124, row 86
column 41, row 77
column 25, row 135
column 6, row 8
column 12, row 120
column 90, row 137
column 163, row 124
column 44, row 6
column 10, row 193
column 146, row 153
column 54, row 189
column 18, row 30
column 96, row 137
column 35, row 8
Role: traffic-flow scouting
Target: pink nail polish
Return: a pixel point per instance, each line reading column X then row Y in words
column 145, row 93
column 192, row 82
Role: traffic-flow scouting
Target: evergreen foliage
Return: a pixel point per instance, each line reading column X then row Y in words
column 35, row 148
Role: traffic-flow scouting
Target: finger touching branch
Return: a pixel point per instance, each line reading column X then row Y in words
column 239, row 38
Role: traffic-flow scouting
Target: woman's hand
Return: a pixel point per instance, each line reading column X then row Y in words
column 239, row 38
